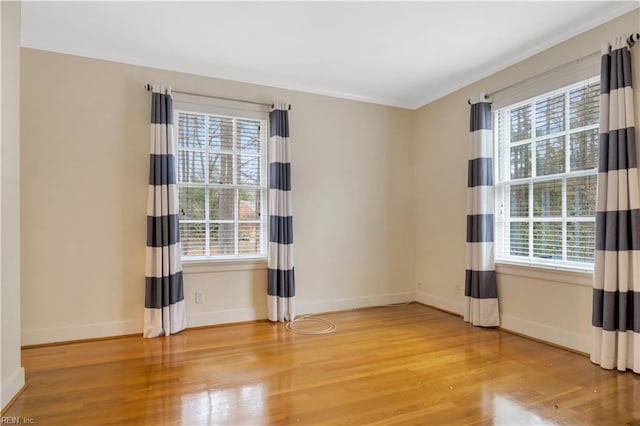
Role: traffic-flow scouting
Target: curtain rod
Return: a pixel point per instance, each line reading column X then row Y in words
column 631, row 40
column 149, row 87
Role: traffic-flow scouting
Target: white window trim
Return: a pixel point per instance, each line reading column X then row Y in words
column 566, row 75
column 207, row 265
column 563, row 275
column 229, row 108
column 570, row 272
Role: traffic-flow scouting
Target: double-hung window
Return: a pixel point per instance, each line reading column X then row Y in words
column 222, row 191
column 546, row 173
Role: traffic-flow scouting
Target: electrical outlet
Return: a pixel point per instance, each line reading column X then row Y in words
column 457, row 289
column 199, row 297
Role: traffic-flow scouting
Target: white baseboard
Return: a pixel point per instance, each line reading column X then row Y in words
column 226, row 316
column 544, row 332
column 37, row 336
column 525, row 327
column 11, row 386
column 439, row 302
column 333, row 305
column 119, row 328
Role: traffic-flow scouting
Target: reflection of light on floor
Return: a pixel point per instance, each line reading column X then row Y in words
column 222, row 405
column 507, row 412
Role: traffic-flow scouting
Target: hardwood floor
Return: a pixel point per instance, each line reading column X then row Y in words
column 396, row 365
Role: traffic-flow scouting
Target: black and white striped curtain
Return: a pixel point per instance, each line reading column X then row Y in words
column 480, row 290
column 281, row 287
column 616, row 285
column 164, row 311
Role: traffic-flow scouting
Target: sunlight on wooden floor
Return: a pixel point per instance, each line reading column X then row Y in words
column 402, row 365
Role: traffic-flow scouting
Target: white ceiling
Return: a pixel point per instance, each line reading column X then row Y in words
column 403, row 54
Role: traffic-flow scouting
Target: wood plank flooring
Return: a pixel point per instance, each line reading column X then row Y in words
column 390, row 365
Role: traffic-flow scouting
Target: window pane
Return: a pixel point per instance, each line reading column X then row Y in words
column 547, row 240
column 584, row 150
column 580, row 241
column 221, row 239
column 221, row 168
column 248, row 170
column 190, row 130
column 521, row 123
column 519, row 238
column 584, row 105
column 519, row 200
column 220, row 159
column 249, row 238
column 249, row 204
column 550, row 115
column 581, row 196
column 520, row 161
column 191, row 167
column 249, row 136
column 192, row 239
column 547, row 198
column 220, row 133
column 550, row 156
column 221, row 202
column 547, row 211
column 191, row 203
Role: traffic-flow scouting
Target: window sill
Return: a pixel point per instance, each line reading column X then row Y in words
column 208, row 265
column 581, row 277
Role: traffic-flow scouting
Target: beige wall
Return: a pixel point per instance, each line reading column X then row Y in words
column 12, row 372
column 380, row 203
column 85, row 137
column 546, row 307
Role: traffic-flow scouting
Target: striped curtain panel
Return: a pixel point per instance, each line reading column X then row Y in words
column 480, row 290
column 164, row 311
column 281, row 287
column 616, row 286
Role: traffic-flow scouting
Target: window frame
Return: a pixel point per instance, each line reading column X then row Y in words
column 503, row 218
column 236, row 111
